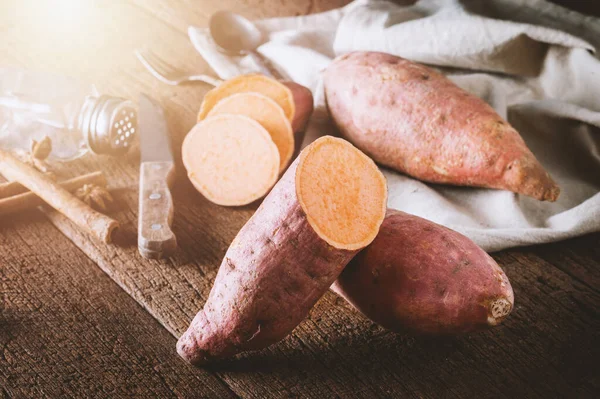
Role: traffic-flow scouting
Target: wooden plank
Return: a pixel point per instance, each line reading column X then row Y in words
column 67, row 330
column 577, row 257
column 337, row 352
column 545, row 349
column 555, row 327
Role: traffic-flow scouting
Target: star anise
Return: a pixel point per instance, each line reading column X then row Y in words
column 95, row 196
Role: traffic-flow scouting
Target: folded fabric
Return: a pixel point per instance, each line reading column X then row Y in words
column 533, row 61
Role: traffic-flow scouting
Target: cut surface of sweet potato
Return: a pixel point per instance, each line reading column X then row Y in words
column 266, row 112
column 230, row 159
column 279, row 265
column 341, row 189
column 256, row 83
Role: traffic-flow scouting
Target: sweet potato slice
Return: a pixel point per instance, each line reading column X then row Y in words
column 256, row 83
column 413, row 119
column 266, row 112
column 230, row 159
column 328, row 205
column 422, row 277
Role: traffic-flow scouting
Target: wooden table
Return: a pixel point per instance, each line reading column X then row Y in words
column 68, row 330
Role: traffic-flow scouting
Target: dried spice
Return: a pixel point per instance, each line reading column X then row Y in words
column 95, row 223
column 95, row 196
column 41, row 149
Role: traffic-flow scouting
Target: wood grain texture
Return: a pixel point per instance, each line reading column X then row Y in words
column 93, row 342
column 66, row 330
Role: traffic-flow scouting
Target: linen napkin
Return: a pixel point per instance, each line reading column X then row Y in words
column 533, row 61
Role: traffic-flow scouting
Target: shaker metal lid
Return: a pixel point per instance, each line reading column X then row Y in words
column 108, row 124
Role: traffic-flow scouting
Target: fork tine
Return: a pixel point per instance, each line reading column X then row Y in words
column 155, row 66
column 152, row 61
column 167, row 72
column 167, row 69
column 146, row 59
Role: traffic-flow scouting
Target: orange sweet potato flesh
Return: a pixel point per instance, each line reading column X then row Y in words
column 230, row 159
column 415, row 120
column 266, row 112
column 422, row 277
column 257, row 83
column 328, row 205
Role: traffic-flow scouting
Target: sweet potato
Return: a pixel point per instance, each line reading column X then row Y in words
column 328, row 205
column 266, row 112
column 303, row 104
column 256, row 83
column 415, row 120
column 230, row 159
column 422, row 277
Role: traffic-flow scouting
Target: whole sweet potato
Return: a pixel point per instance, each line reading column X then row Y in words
column 422, row 277
column 327, row 206
column 413, row 119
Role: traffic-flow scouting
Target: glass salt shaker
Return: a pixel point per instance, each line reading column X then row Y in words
column 73, row 115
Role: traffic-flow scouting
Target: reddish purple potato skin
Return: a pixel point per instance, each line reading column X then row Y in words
column 303, row 100
column 273, row 273
column 424, row 278
column 415, row 120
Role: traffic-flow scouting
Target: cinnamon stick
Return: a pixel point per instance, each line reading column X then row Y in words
column 95, row 223
column 25, row 199
column 11, row 188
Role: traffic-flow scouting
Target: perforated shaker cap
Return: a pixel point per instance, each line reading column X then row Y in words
column 108, row 124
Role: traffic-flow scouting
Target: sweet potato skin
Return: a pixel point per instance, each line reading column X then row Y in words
column 262, row 292
column 413, row 119
column 304, row 103
column 421, row 277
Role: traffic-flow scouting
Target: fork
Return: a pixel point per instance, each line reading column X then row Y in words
column 168, row 73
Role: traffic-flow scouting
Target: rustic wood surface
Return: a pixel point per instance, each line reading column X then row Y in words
column 67, row 330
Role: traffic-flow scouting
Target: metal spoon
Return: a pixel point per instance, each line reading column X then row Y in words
column 236, row 35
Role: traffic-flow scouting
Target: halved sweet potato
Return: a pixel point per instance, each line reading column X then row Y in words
column 328, row 205
column 304, row 104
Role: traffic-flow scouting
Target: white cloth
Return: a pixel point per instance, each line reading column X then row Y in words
column 531, row 60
